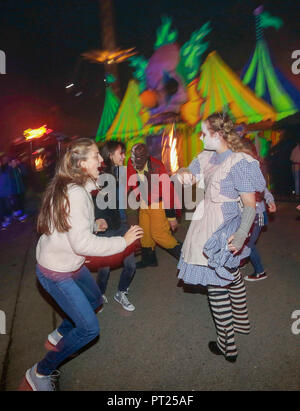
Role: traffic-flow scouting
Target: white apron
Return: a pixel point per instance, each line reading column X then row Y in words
column 208, row 215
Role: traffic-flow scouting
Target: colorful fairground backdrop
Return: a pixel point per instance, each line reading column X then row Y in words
column 176, row 88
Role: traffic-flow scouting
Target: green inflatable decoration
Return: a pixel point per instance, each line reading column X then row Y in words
column 109, row 78
column 163, row 34
column 191, row 53
column 140, row 65
column 266, row 20
column 111, row 106
column 261, row 75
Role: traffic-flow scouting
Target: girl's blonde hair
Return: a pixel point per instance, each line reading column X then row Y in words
column 222, row 124
column 55, row 206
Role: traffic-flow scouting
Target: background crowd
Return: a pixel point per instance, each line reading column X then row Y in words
column 12, row 191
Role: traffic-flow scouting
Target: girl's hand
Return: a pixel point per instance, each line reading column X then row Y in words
column 272, row 207
column 101, row 225
column 185, row 176
column 298, row 207
column 236, row 241
column 231, row 247
column 134, row 233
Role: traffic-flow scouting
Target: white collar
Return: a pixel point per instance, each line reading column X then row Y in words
column 91, row 185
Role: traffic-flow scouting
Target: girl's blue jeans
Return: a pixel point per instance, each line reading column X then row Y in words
column 79, row 297
column 129, row 264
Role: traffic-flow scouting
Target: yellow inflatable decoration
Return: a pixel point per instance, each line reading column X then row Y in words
column 190, row 111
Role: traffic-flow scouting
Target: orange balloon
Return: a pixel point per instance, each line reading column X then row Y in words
column 149, row 98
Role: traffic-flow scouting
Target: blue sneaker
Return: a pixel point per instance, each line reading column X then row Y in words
column 6, row 223
column 22, row 218
column 17, row 213
column 47, row 383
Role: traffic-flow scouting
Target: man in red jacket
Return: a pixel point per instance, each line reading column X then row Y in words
column 148, row 178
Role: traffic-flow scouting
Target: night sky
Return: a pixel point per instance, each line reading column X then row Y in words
column 43, row 41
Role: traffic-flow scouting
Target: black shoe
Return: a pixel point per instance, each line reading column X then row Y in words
column 152, row 259
column 148, row 258
column 213, row 347
column 175, row 251
column 144, row 258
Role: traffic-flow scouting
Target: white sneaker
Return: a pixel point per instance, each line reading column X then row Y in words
column 100, row 309
column 42, row 383
column 105, row 301
column 121, row 298
column 54, row 338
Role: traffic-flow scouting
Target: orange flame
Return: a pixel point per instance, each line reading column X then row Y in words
column 109, row 56
column 30, row 134
column 39, row 163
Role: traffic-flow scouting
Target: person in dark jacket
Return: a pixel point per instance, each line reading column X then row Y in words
column 5, row 193
column 18, row 189
column 113, row 222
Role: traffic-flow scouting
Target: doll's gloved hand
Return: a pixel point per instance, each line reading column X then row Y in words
column 236, row 241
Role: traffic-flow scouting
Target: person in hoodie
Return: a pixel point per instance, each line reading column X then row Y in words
column 114, row 222
column 18, row 190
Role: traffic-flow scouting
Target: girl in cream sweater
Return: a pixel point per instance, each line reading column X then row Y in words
column 66, row 222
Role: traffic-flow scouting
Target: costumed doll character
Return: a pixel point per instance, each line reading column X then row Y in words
column 214, row 244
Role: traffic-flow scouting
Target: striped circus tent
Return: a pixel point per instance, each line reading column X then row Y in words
column 220, row 86
column 128, row 122
column 111, row 106
column 264, row 78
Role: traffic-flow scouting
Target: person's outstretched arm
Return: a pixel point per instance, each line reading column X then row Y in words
column 236, row 241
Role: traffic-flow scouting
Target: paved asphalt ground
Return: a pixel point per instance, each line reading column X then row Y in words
column 162, row 345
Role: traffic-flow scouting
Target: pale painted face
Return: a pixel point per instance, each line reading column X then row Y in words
column 118, row 157
column 93, row 162
column 211, row 140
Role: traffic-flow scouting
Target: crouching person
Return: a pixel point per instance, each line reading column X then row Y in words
column 66, row 222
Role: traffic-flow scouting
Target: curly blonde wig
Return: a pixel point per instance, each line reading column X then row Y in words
column 225, row 127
